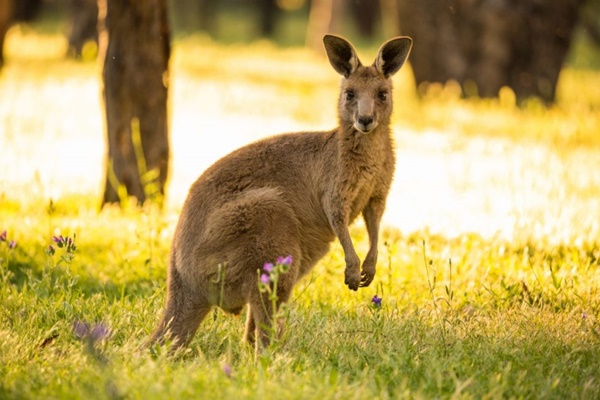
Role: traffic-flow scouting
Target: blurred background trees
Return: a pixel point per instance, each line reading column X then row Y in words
column 486, row 45
column 83, row 25
column 15, row 11
column 481, row 45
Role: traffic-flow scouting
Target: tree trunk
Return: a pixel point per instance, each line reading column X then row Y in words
column 539, row 57
column 26, row 10
column 322, row 20
column 207, row 15
column 366, row 14
column 268, row 16
column 192, row 15
column 6, row 13
column 487, row 44
column 83, row 25
column 135, row 77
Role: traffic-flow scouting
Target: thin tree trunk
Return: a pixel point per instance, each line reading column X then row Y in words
column 6, row 14
column 268, row 15
column 135, row 77
column 322, row 20
column 83, row 25
column 366, row 14
column 389, row 17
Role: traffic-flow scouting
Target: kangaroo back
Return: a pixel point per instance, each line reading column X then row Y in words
column 289, row 195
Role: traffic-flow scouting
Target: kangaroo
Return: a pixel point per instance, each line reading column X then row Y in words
column 287, row 195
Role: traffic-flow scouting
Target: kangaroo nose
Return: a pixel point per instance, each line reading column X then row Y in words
column 365, row 121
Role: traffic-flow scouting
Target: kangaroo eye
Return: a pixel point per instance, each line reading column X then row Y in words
column 382, row 95
column 349, row 95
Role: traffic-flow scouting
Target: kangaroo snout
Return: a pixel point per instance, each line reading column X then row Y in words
column 364, row 117
column 365, row 124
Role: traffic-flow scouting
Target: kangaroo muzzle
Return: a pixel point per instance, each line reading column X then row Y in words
column 364, row 120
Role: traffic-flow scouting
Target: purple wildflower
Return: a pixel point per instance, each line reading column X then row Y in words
column 99, row 332
column 227, row 370
column 584, row 315
column 50, row 251
column 264, row 278
column 268, row 267
column 12, row 244
column 81, row 329
column 284, row 260
column 376, row 300
column 3, row 236
column 65, row 242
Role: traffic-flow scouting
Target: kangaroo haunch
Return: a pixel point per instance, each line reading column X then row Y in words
column 291, row 194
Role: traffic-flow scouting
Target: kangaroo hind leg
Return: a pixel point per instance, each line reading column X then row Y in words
column 184, row 311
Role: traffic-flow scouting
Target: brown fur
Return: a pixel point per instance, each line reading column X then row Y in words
column 291, row 194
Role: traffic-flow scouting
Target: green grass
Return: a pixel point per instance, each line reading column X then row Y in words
column 501, row 321
column 492, row 290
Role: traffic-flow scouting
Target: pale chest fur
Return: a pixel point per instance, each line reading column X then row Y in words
column 367, row 172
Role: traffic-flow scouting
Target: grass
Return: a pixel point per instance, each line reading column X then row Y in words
column 489, row 273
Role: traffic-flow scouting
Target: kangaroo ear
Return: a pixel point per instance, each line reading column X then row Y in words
column 392, row 55
column 341, row 55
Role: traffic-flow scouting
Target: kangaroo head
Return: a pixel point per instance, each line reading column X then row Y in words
column 366, row 92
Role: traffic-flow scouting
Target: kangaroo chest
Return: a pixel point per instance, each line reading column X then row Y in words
column 369, row 179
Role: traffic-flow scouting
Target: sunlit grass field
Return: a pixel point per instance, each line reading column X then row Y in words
column 488, row 267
